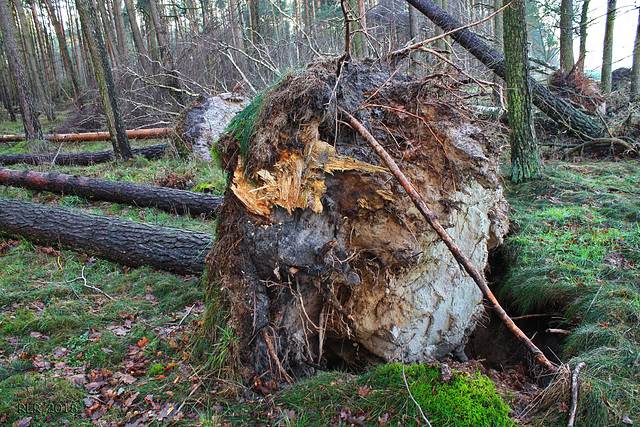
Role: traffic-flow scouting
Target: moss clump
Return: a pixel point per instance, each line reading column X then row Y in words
column 381, row 397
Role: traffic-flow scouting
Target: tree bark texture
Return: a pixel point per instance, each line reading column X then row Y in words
column 556, row 108
column 93, row 136
column 584, row 21
column 125, row 242
column 81, row 159
column 566, row 35
column 16, row 67
column 607, row 51
column 635, row 69
column 167, row 199
column 525, row 162
column 143, row 59
column 36, row 75
column 104, row 77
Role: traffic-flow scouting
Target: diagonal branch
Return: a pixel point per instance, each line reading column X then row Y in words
column 464, row 262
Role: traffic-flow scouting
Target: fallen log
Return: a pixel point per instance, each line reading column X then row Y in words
column 80, row 159
column 553, row 106
column 93, row 136
column 167, row 199
column 122, row 241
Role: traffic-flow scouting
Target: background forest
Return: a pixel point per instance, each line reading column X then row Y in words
column 86, row 341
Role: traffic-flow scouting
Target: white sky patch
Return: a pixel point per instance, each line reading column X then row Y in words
column 624, row 33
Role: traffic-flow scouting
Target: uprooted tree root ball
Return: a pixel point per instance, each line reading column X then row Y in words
column 321, row 257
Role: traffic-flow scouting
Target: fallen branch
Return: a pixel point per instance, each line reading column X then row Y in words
column 122, row 241
column 86, row 285
column 574, row 393
column 602, row 141
column 93, row 136
column 167, row 199
column 80, row 159
column 464, row 262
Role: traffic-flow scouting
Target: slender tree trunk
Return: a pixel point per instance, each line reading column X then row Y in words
column 127, row 193
column 30, row 121
column 62, row 46
column 607, row 52
column 37, row 75
column 635, row 70
column 137, row 37
column 6, row 90
column 525, row 160
column 566, row 35
column 584, row 20
column 254, row 21
column 108, row 32
column 116, row 11
column 125, row 242
column 104, row 78
column 554, row 107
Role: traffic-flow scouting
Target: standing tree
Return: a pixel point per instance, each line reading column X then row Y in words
column 525, row 161
column 143, row 59
column 102, row 69
column 62, row 47
column 635, row 69
column 566, row 35
column 30, row 121
column 583, row 31
column 607, row 53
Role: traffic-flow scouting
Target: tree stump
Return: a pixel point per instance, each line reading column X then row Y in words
column 321, row 257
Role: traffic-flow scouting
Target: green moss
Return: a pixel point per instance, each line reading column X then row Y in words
column 332, row 397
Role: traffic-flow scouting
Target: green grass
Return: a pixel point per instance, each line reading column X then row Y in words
column 577, row 249
column 382, row 397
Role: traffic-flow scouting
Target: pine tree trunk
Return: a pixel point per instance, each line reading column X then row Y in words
column 104, row 78
column 62, row 47
column 584, row 21
column 137, row 37
column 30, row 121
column 556, row 108
column 116, row 11
column 635, row 69
column 109, row 32
column 525, row 161
column 167, row 199
column 80, row 159
column 125, row 242
column 36, row 73
column 607, row 52
column 566, row 35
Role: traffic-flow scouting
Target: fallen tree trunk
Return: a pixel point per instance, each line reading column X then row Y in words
column 556, row 108
column 80, row 159
column 125, row 242
column 93, row 136
column 168, row 199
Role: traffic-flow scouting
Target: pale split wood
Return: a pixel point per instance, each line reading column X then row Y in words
column 460, row 257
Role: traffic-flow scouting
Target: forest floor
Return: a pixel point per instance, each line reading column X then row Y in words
column 70, row 355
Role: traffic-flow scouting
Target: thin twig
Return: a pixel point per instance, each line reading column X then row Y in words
column 574, row 393
column 459, row 256
column 404, row 377
column 414, row 46
column 84, row 279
